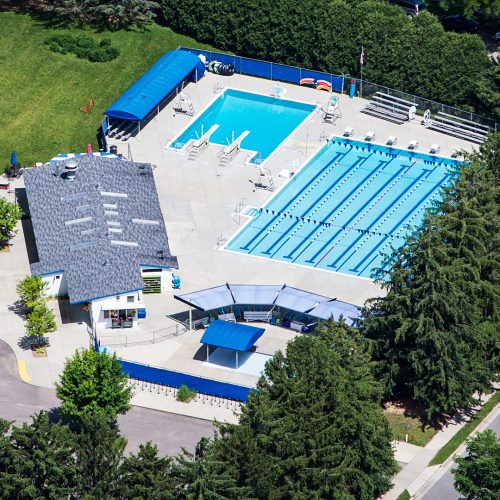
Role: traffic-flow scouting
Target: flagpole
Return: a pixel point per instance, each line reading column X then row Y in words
column 362, row 64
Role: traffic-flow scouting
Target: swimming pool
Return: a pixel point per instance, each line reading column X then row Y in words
column 268, row 119
column 348, row 204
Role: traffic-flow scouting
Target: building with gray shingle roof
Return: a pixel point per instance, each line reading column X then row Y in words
column 97, row 221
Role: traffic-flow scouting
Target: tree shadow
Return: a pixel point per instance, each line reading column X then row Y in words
column 27, row 343
column 18, row 309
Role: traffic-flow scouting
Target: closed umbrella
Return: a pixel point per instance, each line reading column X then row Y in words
column 13, row 158
column 89, row 149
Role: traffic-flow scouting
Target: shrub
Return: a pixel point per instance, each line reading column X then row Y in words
column 185, row 394
column 84, row 47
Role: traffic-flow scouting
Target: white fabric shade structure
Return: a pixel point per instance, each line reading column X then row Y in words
column 316, row 306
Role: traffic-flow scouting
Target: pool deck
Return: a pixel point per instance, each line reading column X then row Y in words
column 201, row 200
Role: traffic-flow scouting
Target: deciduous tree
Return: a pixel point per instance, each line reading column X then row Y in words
column 31, row 291
column 91, row 382
column 10, row 213
column 477, row 475
column 40, row 321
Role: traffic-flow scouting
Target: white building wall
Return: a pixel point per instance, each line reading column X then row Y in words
column 116, row 303
column 56, row 285
column 165, row 275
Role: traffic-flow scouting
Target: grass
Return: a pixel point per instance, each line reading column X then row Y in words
column 451, row 446
column 42, row 91
column 404, row 496
column 401, row 425
column 185, row 394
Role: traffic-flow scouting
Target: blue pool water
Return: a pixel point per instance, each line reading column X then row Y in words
column 268, row 119
column 351, row 202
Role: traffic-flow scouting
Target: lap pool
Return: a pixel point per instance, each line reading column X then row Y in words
column 349, row 204
column 269, row 120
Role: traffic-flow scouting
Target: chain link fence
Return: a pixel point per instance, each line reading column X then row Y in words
column 128, row 337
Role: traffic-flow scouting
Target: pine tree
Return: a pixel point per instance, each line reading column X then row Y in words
column 433, row 334
column 314, row 428
column 42, row 462
column 145, row 476
column 207, row 474
column 99, row 452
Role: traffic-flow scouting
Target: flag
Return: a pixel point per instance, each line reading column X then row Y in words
column 362, row 57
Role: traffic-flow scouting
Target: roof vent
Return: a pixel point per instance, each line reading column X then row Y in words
column 160, row 255
column 70, row 169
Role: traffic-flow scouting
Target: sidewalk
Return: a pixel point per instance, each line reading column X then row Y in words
column 416, row 474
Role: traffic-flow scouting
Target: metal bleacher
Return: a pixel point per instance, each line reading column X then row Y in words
column 458, row 127
column 390, row 108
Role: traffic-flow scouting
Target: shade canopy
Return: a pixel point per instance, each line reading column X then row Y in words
column 317, row 306
column 230, row 335
column 139, row 100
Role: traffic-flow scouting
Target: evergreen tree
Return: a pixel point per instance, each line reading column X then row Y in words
column 315, row 427
column 433, row 334
column 478, row 473
column 93, row 381
column 41, row 462
column 145, row 476
column 207, row 474
column 99, row 451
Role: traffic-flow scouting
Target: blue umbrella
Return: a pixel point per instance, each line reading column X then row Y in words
column 13, row 158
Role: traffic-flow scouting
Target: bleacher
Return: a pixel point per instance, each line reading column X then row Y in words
column 390, row 108
column 458, row 127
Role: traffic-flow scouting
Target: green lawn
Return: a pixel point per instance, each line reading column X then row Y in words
column 401, row 425
column 41, row 92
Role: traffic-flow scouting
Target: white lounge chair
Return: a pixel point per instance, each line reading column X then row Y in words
column 348, row 132
column 392, row 140
column 435, row 148
column 413, row 144
column 369, row 136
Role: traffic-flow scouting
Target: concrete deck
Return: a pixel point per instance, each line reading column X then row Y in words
column 199, row 198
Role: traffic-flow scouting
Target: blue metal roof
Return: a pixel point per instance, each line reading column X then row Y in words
column 231, row 335
column 137, row 102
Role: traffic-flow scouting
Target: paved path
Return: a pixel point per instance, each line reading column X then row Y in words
column 442, row 487
column 19, row 400
column 416, row 474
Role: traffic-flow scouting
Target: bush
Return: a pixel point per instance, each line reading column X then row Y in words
column 185, row 394
column 84, row 47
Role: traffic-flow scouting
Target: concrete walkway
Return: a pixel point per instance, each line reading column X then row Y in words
column 416, row 473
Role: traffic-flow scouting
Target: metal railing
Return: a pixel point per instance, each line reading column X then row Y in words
column 138, row 337
column 293, row 74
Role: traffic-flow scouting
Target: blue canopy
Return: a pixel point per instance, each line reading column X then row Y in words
column 231, row 335
column 137, row 102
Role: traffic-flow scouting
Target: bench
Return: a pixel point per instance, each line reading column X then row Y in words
column 404, row 107
column 476, row 125
column 257, row 316
column 455, row 131
column 475, row 130
column 393, row 98
column 204, row 322
column 385, row 115
column 227, row 317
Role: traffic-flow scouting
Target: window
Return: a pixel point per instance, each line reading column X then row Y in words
column 106, row 315
column 130, row 298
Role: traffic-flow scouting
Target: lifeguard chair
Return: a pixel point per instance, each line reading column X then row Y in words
column 332, row 111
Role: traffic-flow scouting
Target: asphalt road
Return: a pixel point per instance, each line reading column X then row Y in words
column 443, row 488
column 170, row 432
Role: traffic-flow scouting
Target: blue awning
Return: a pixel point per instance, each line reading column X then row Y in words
column 137, row 102
column 231, row 335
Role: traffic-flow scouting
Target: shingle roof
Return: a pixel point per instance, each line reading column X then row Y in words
column 98, row 228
